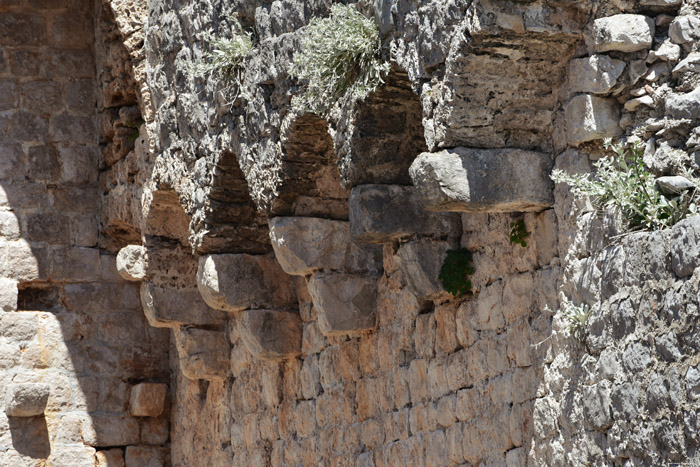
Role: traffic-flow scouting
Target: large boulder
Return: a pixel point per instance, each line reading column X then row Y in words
column 388, row 213
column 236, row 282
column 493, row 180
column 346, row 304
column 306, row 244
column 271, row 334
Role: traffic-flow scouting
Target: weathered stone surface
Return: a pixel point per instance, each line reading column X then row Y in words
column 387, row 213
column 624, row 32
column 146, row 456
column 684, row 105
column 596, row 74
column 590, row 118
column 684, row 29
column 131, row 263
column 685, row 250
column 109, row 458
column 690, row 64
column 202, row 353
column 491, row 180
column 346, row 304
column 674, row 185
column 271, row 334
column 147, row 399
column 166, row 307
column 8, row 295
column 306, row 244
column 110, row 430
column 26, row 399
column 420, row 262
column 237, row 282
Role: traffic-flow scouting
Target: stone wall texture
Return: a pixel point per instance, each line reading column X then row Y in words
column 190, row 281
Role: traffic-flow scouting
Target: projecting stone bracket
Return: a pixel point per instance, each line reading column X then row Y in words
column 390, row 213
column 346, row 304
column 484, row 180
column 26, row 399
column 202, row 353
column 271, row 334
column 420, row 262
column 168, row 308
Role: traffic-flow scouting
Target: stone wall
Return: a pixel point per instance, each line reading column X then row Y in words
column 82, row 375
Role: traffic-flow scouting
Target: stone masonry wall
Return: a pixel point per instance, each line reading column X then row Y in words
column 82, row 375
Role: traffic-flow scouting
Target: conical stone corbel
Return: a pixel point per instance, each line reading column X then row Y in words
column 271, row 334
column 168, row 307
column 346, row 304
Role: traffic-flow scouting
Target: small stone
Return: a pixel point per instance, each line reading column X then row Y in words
column 146, row 456
column 684, row 105
column 638, row 92
column 597, row 406
column 271, row 334
column 131, row 263
column 632, row 104
column 596, row 74
column 147, row 399
column 346, row 304
column 483, row 180
column 674, row 185
column 685, row 246
column 668, row 52
column 636, row 357
column 692, row 382
column 656, row 71
column 26, row 399
column 623, row 32
column 590, row 118
column 690, row 64
column 684, row 29
column 625, row 400
column 657, row 394
column 636, row 70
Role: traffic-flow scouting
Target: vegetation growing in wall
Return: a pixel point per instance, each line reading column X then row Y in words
column 518, row 233
column 224, row 60
column 340, row 56
column 625, row 185
column 456, row 270
column 576, row 318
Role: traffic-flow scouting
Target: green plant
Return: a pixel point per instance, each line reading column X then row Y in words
column 626, row 185
column 224, row 60
column 576, row 318
column 455, row 272
column 518, row 233
column 134, row 125
column 340, row 56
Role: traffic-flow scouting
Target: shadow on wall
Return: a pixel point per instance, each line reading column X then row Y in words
column 66, row 320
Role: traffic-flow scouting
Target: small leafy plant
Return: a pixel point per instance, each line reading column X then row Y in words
column 576, row 318
column 340, row 56
column 518, row 233
column 626, row 185
column 225, row 60
column 455, row 272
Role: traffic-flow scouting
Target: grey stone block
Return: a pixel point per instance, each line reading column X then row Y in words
column 684, row 29
column 596, row 74
column 26, row 399
column 590, row 118
column 167, row 308
column 235, row 282
column 685, row 251
column 420, row 263
column 346, row 304
column 624, row 32
column 303, row 245
column 685, row 105
column 388, row 213
column 271, row 334
column 492, row 180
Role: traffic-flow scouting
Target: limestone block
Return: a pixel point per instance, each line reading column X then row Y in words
column 492, row 180
column 131, row 262
column 624, row 32
column 202, row 353
column 346, row 304
column 26, row 399
column 685, row 246
column 596, row 74
column 387, row 213
column 684, row 105
column 103, row 429
column 167, row 308
column 147, row 399
column 420, row 263
column 590, row 118
column 684, row 29
column 146, row 456
column 109, row 458
column 8, row 295
column 155, row 431
column 235, row 282
column 306, row 244
column 271, row 334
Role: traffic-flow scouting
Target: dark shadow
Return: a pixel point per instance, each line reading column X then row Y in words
column 30, row 436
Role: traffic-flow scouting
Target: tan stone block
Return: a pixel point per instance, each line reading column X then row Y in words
column 113, row 395
column 453, row 437
column 446, row 337
column 170, row 307
column 517, row 292
column 423, row 417
column 435, row 449
column 73, row 129
column 146, row 456
column 28, row 127
column 109, row 458
column 147, row 399
column 12, row 160
column 368, row 352
column 19, row 326
column 27, row 399
column 26, row 262
column 518, row 344
column 346, row 304
column 372, row 433
column 425, row 335
column 74, row 264
column 305, row 416
column 110, row 430
column 272, row 384
column 366, row 398
column 437, row 379
column 203, row 353
column 396, row 425
column 42, row 96
column 402, row 395
column 271, row 334
column 348, row 356
column 446, row 410
column 22, row 29
column 418, row 380
column 72, row 455
column 310, row 378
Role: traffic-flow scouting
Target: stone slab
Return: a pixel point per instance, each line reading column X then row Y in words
column 271, row 334
column 420, row 262
column 484, row 180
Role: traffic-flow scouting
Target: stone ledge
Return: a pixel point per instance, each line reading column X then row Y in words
column 484, row 180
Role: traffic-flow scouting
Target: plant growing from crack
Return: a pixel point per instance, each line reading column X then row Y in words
column 518, row 233
column 456, row 270
column 340, row 56
column 625, row 185
column 576, row 318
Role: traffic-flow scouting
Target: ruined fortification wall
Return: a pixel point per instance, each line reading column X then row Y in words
column 276, row 273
